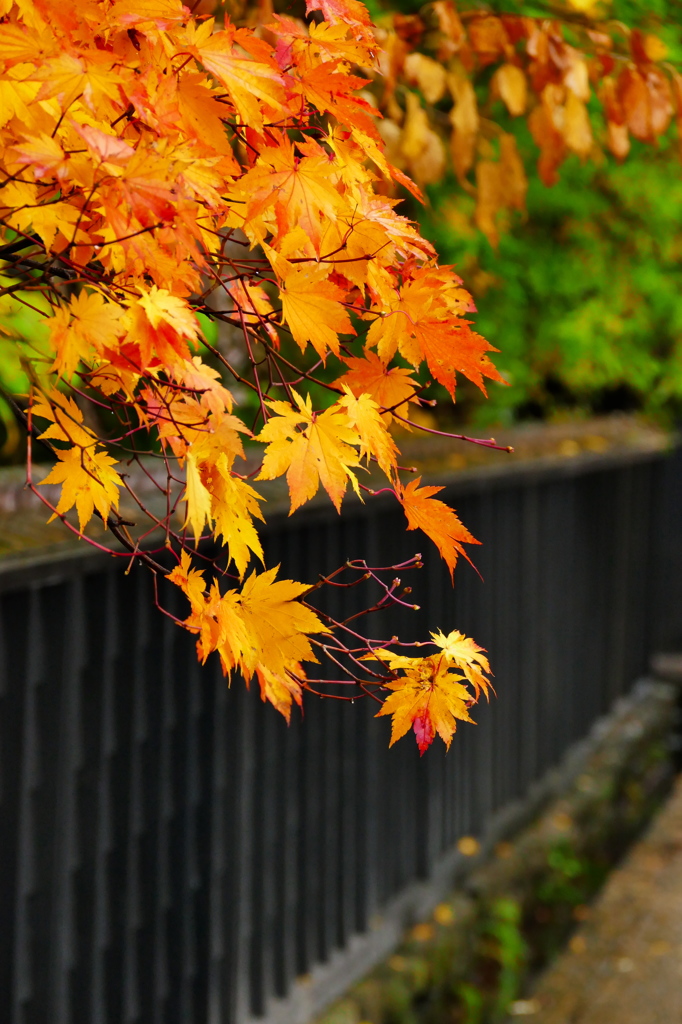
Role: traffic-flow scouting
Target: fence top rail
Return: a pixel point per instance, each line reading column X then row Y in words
column 31, row 551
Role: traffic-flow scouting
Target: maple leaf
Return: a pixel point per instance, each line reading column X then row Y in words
column 207, row 383
column 428, row 698
column 313, row 312
column 88, row 481
column 299, row 188
column 191, row 581
column 86, row 323
column 365, row 417
column 66, row 419
column 337, row 41
column 253, row 306
column 391, row 387
column 162, row 324
column 140, row 13
column 220, row 627
column 280, row 690
column 347, row 12
column 253, row 86
column 47, row 221
column 330, row 90
column 234, row 503
column 312, row 449
column 43, row 155
column 436, row 519
column 277, row 623
column 425, row 323
column 163, row 308
column 197, row 497
column 465, row 654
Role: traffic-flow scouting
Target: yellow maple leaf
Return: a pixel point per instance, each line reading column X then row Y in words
column 45, row 220
column 83, row 327
column 65, row 417
column 191, row 581
column 197, row 497
column 221, row 628
column 464, row 653
column 428, row 698
column 276, row 623
column 365, row 417
column 312, row 310
column 311, row 448
column 88, row 481
column 263, row 630
column 234, row 503
column 163, row 308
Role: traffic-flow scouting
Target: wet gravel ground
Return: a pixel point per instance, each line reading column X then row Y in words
column 624, row 965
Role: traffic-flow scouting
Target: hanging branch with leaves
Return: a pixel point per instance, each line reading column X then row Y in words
column 161, row 172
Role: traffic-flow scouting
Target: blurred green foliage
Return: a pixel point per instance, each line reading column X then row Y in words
column 583, row 297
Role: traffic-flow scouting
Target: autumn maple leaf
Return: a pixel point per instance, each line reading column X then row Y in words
column 299, row 189
column 426, row 323
column 84, row 327
column 428, row 698
column 391, row 387
column 436, row 519
column 262, row 630
column 464, row 653
column 364, row 416
column 311, row 448
column 277, row 623
column 88, row 481
column 253, row 86
column 312, row 310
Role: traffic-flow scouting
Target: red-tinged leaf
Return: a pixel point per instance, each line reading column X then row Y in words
column 428, row 698
column 331, row 92
column 346, row 12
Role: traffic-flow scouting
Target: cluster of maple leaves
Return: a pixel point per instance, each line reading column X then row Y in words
column 581, row 84
column 158, row 167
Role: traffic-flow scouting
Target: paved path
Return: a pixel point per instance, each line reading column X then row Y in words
column 624, row 965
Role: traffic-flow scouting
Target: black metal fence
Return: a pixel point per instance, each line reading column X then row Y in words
column 171, row 852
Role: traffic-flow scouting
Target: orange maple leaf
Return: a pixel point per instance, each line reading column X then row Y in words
column 331, row 91
column 299, row 188
column 255, row 87
column 390, row 387
column 425, row 323
column 436, row 519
